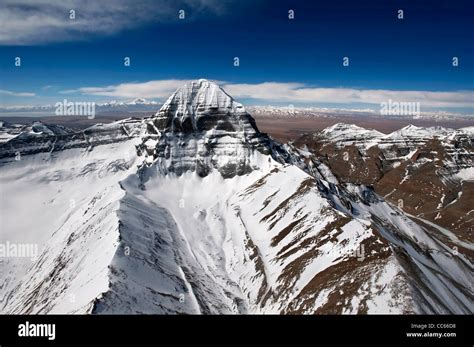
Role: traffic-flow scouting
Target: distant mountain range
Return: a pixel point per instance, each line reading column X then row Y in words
column 135, row 105
column 143, row 105
column 291, row 111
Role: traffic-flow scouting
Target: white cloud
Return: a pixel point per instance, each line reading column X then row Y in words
column 10, row 93
column 298, row 92
column 291, row 93
column 43, row 21
column 151, row 89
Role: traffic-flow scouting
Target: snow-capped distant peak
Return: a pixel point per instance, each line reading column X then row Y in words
column 467, row 130
column 410, row 130
column 419, row 132
column 340, row 130
column 342, row 127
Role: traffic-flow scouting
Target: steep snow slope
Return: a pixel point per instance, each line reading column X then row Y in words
column 262, row 242
column 440, row 274
column 65, row 203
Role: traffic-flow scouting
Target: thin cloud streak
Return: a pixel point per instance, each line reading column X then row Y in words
column 10, row 93
column 150, row 89
column 298, row 92
column 291, row 93
column 33, row 22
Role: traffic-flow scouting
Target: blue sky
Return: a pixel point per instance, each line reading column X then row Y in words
column 281, row 60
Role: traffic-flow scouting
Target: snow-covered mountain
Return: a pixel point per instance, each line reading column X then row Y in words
column 426, row 171
column 344, row 134
column 20, row 140
column 194, row 210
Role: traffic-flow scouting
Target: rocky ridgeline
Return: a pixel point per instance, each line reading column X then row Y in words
column 20, row 140
column 424, row 171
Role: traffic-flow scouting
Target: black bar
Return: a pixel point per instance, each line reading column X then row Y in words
column 256, row 329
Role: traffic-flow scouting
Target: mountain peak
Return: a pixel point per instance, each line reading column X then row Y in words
column 201, row 128
column 349, row 131
column 199, row 96
column 413, row 131
column 342, row 126
column 202, row 105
